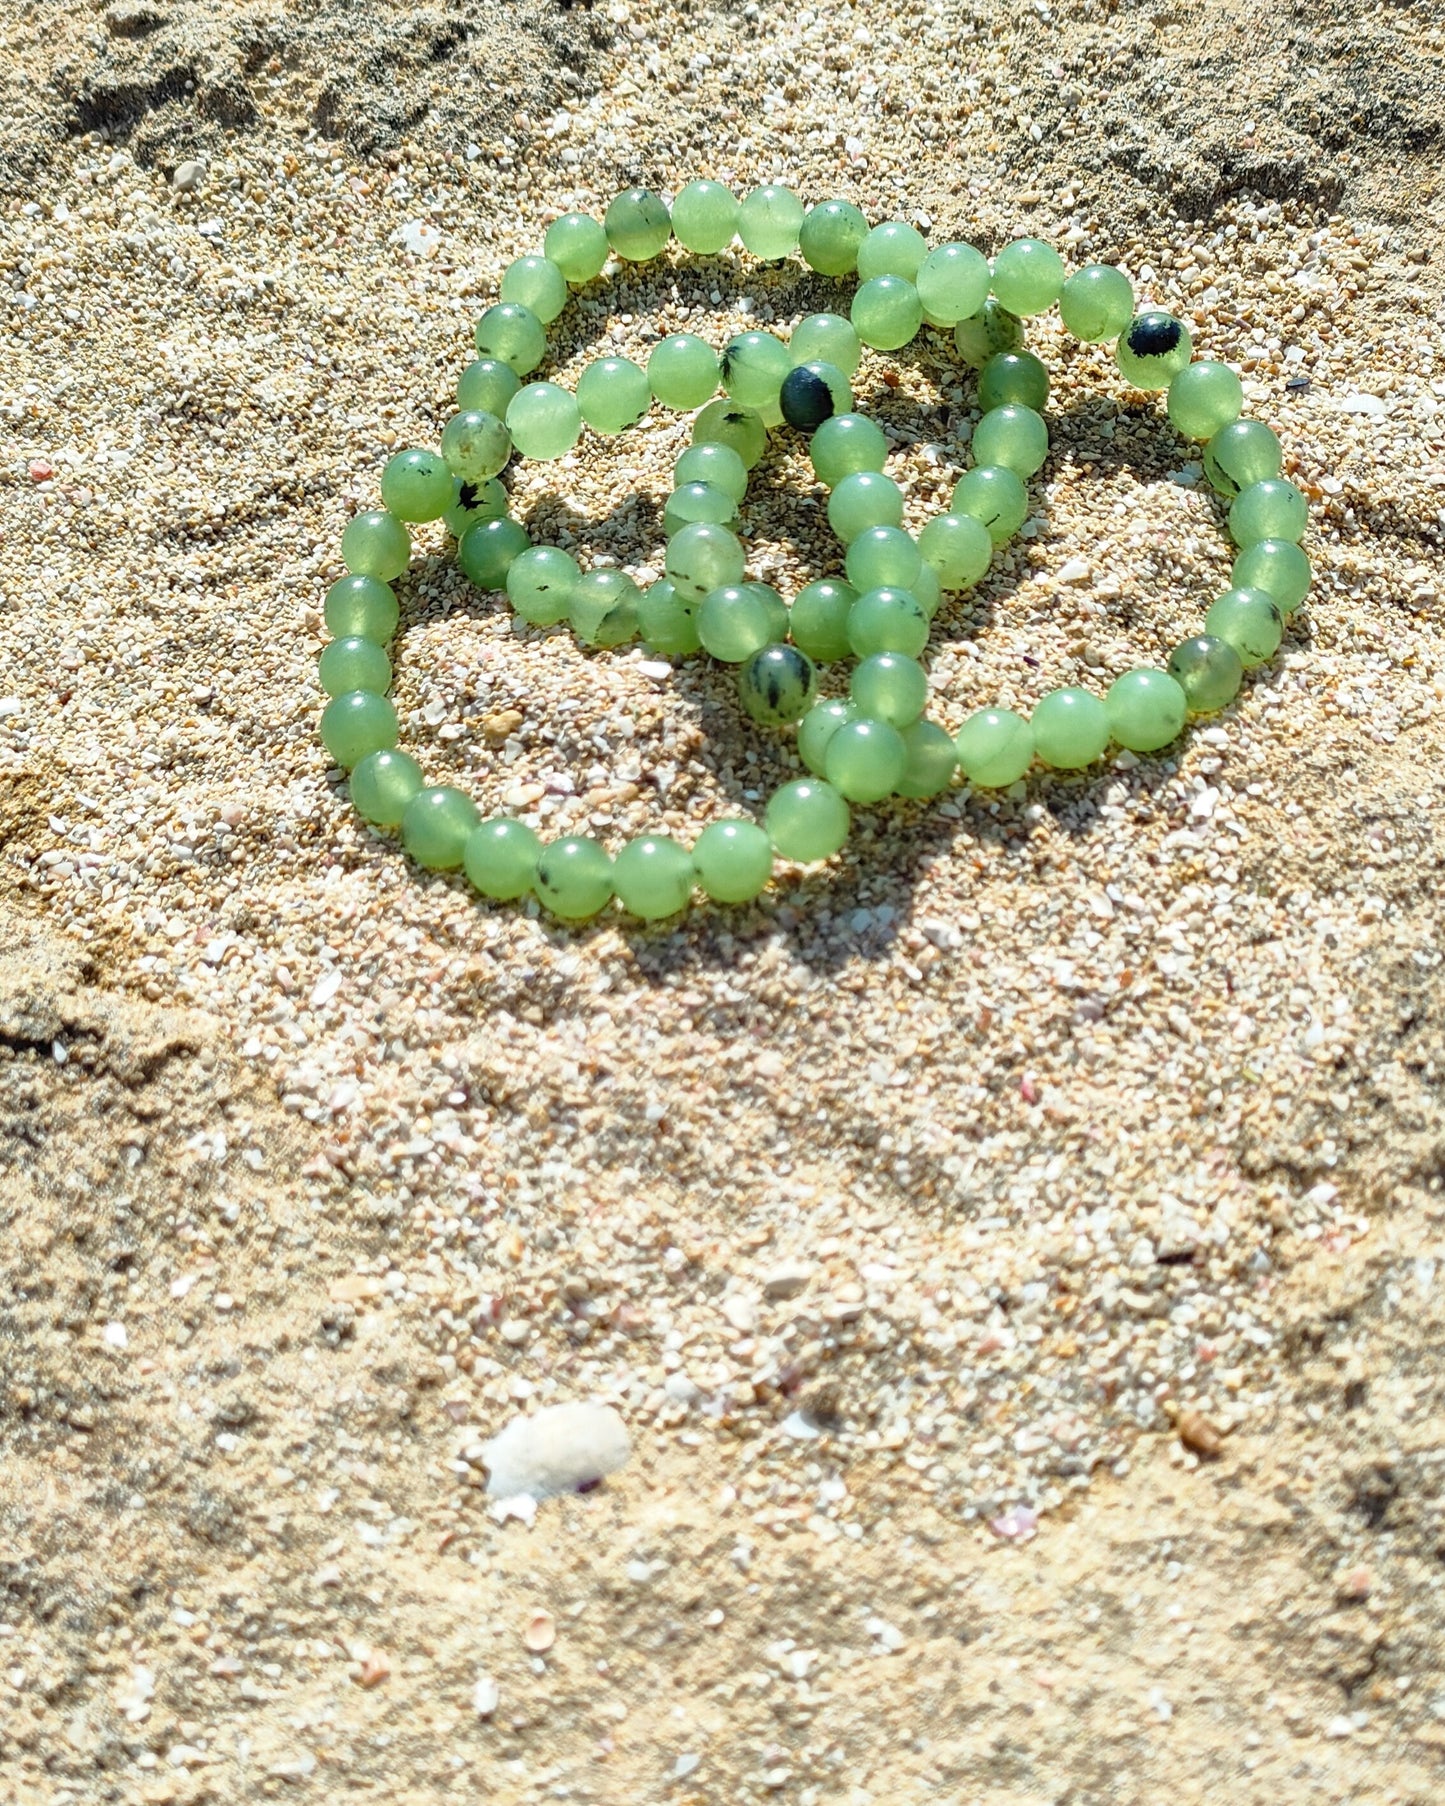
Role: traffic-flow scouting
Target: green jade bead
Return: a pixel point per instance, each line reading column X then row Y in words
column 883, row 556
column 952, row 283
column 818, row 619
column 613, row 394
column 476, row 445
column 363, row 607
column 653, row 877
column 1153, row 349
column 932, row 760
column 887, row 619
column 994, row 496
column 1209, row 671
column 702, row 557
column 846, row 443
column 538, row 283
column 500, row 858
column 1250, row 621
column 733, row 861
column 886, row 686
column 488, row 384
column 1096, row 303
column 958, row 547
column 813, row 393
column 637, row 224
column 1028, row 276
column 604, row 607
column 540, row 582
column 736, row 620
column 354, row 663
column 573, row 878
column 830, row 235
column 436, row 825
column 1071, row 728
column 544, row 420
column 777, row 685
column 753, row 367
column 886, row 312
column 1275, row 565
column 668, row 623
column 892, row 249
column 826, row 339
column 1241, row 453
column 358, row 723
column 1013, row 378
column 818, row 727
column 1273, row 509
column 713, row 463
column 577, row 244
column 376, row 544
column 1204, row 398
column 864, row 499
column 1012, row 436
column 682, row 370
column 1146, row 709
column 513, row 334
column 704, row 218
column 769, row 221
column 995, row 748
column 984, row 334
column 474, row 503
column 728, row 423
column 416, row 485
column 807, row 820
column 865, row 760
column 485, row 552
column 927, row 589
column 698, row 501
column 382, row 784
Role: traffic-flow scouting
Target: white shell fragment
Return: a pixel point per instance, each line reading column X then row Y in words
column 486, row 1696
column 561, row 1449
column 419, row 237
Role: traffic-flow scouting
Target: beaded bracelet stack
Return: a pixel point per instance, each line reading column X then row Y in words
column 877, row 743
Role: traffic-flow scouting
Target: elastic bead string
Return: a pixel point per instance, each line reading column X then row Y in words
column 878, row 742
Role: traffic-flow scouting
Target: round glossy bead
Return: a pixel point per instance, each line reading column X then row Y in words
column 653, row 877
column 1241, row 453
column 952, row 282
column 436, row 825
column 995, row 748
column 1209, row 671
column 376, row 544
column 577, row 244
column 473, row 503
column 865, row 760
column 1275, row 565
column 1012, row 436
column 984, row 334
column 994, row 495
column 540, row 581
column 382, row 784
column 738, row 619
column 817, row 728
column 818, row 619
column 603, row 608
column 928, row 589
column 698, row 501
column 812, row 393
column 727, row 422
column 777, row 685
column 733, row 861
column 806, row 820
column 932, row 760
column 488, row 384
column 1071, row 728
column 769, row 221
column 864, row 499
column 416, row 485
column 704, row 218
column 886, row 312
column 538, row 283
column 887, row 620
column 613, row 394
column 753, row 367
column 1153, row 349
column 354, row 663
column 713, row 463
column 883, row 555
column 830, row 235
column 363, row 606
column 702, row 556
column 846, row 443
column 958, row 547
column 476, row 445
column 668, row 623
column 1269, row 510
column 358, row 723
column 1013, row 377
column 513, row 334
column 573, row 877
column 886, row 686
column 1203, row 398
column 826, row 339
column 682, row 370
column 485, row 552
column 1146, row 709
column 500, row 858
column 544, row 420
column 637, row 224
column 1028, row 276
column 892, row 249
column 1096, row 303
column 1250, row 621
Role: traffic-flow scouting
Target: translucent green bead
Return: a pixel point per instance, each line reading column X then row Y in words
column 358, row 723
column 813, row 393
column 777, row 685
column 846, row 443
column 1014, row 437
column 735, row 620
column 703, row 556
column 827, row 339
column 830, row 235
column 540, row 581
column 1209, row 671
column 928, row 590
column 892, row 249
column 436, row 825
column 604, row 607
column 883, row 556
column 573, row 877
column 1250, row 621
column 1153, row 349
column 376, row 544
column 886, row 686
column 668, row 623
column 952, row 282
column 637, row 224
column 817, row 728
column 416, row 485
column 864, row 499
column 1028, row 276
column 1014, row 378
column 995, row 748
column 865, row 760
column 613, row 394
column 886, row 619
column 544, row 420
column 994, row 495
column 806, row 820
column 653, row 877
column 1275, row 565
column 485, row 552
column 488, row 384
column 475, row 445
column 577, row 244
column 1071, row 728
column 1096, row 303
column 1146, row 709
column 473, row 503
column 713, row 463
column 538, row 283
column 513, row 334
column 769, row 221
column 354, row 663
column 698, row 501
column 932, row 760
column 1203, row 398
column 1270, row 510
column 984, row 334
column 727, row 422
column 818, row 619
column 733, row 861
column 363, row 606
column 500, row 858
column 682, row 370
column 958, row 547
column 753, row 366
column 1241, row 453
column 382, row 784
column 704, row 218
column 886, row 312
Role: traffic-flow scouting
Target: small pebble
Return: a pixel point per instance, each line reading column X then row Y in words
column 188, row 177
